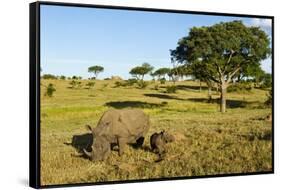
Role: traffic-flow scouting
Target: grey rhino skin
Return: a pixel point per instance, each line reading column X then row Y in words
column 117, row 127
column 158, row 142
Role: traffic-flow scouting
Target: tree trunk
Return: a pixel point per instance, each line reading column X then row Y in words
column 200, row 85
column 210, row 85
column 223, row 97
column 209, row 93
column 217, row 88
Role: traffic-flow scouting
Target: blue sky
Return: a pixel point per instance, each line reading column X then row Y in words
column 73, row 38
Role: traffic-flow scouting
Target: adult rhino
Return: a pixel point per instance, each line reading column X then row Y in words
column 117, row 127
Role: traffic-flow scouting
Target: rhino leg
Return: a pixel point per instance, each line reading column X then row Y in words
column 121, row 144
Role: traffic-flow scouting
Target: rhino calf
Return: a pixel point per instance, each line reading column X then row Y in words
column 158, row 142
column 117, row 127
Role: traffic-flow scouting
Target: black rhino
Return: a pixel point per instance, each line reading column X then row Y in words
column 117, row 127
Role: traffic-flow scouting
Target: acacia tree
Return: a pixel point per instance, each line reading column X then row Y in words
column 96, row 70
column 139, row 71
column 222, row 50
column 161, row 72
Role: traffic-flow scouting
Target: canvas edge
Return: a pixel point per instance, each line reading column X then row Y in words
column 34, row 97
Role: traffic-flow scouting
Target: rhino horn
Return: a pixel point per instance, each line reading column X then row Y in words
column 89, row 154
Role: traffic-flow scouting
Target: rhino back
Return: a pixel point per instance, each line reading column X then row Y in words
column 131, row 122
column 128, row 123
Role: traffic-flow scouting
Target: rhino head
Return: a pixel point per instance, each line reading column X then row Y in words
column 167, row 137
column 100, row 147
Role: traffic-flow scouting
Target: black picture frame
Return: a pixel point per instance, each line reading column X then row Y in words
column 34, row 91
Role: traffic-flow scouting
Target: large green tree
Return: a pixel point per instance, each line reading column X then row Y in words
column 139, row 71
column 222, row 50
column 96, row 70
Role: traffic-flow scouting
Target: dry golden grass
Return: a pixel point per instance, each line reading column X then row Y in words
column 207, row 142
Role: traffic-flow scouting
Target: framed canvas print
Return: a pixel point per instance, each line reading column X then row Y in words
column 126, row 94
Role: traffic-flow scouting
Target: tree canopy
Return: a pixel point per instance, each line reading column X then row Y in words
column 220, row 51
column 139, row 71
column 161, row 72
column 96, row 70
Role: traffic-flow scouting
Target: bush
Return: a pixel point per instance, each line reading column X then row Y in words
column 162, row 81
column 49, row 76
column 75, row 84
column 131, row 82
column 171, row 89
column 79, row 84
column 268, row 102
column 62, row 77
column 50, row 90
column 240, row 87
column 267, row 81
column 156, row 87
column 90, row 85
column 120, row 83
column 142, row 84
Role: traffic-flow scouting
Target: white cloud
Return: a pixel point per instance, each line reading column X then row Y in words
column 264, row 24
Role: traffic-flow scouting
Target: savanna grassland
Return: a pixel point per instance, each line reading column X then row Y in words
column 207, row 142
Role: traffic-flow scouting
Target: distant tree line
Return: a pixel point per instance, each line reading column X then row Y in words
column 222, row 55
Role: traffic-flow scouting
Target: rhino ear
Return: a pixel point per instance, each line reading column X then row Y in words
column 94, row 131
column 120, row 118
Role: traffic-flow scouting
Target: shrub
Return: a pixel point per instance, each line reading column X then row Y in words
column 120, row 83
column 73, row 83
column 240, row 87
column 162, row 81
column 142, row 84
column 131, row 82
column 49, row 76
column 90, row 85
column 50, row 90
column 62, row 77
column 171, row 89
column 156, row 87
column 79, row 84
column 268, row 102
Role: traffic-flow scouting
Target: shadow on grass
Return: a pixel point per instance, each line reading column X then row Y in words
column 229, row 103
column 80, row 142
column 134, row 104
column 163, row 96
column 266, row 136
column 85, row 141
column 190, row 87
